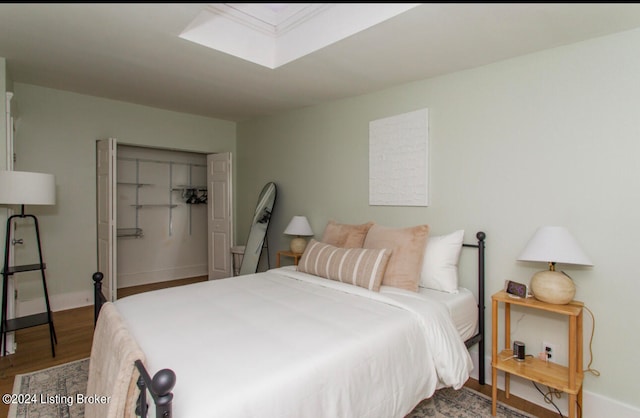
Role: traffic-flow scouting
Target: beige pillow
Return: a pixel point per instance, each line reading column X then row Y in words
column 408, row 244
column 344, row 235
column 356, row 266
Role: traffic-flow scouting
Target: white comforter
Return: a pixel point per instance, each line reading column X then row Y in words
column 287, row 344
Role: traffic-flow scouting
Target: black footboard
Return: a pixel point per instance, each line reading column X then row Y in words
column 159, row 387
column 162, row 383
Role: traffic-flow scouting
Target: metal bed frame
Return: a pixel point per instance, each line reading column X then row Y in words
column 479, row 337
column 162, row 383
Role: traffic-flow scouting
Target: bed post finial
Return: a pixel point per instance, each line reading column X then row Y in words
column 162, row 384
column 98, row 297
column 481, row 236
column 97, row 277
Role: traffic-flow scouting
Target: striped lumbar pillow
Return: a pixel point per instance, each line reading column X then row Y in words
column 362, row 267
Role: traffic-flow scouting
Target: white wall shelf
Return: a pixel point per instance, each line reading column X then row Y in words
column 155, row 205
column 188, row 187
column 130, row 233
column 124, row 183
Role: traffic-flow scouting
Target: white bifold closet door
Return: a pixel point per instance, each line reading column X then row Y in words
column 219, row 219
column 106, row 214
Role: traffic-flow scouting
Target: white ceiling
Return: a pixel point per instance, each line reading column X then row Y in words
column 133, row 52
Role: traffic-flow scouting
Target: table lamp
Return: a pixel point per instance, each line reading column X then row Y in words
column 553, row 244
column 299, row 226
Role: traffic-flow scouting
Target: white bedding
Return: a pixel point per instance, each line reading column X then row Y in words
column 462, row 307
column 287, row 344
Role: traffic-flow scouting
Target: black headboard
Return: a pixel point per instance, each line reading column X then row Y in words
column 478, row 338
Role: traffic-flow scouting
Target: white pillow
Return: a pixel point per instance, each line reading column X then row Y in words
column 440, row 265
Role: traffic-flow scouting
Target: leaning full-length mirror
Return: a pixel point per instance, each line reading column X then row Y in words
column 258, row 231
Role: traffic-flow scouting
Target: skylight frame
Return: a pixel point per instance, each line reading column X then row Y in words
column 276, row 37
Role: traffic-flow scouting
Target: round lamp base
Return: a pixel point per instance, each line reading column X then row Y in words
column 298, row 245
column 553, row 287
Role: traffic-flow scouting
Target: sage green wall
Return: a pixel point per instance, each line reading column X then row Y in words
column 56, row 133
column 550, row 138
column 4, row 82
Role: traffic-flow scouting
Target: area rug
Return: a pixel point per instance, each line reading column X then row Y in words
column 54, row 393
column 462, row 403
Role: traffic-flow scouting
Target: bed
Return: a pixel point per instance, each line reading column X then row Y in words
column 289, row 343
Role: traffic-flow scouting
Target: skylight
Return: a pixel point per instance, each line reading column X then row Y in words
column 273, row 34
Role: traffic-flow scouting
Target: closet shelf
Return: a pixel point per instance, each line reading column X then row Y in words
column 167, row 195
column 155, row 205
column 124, row 183
column 189, row 187
column 130, row 232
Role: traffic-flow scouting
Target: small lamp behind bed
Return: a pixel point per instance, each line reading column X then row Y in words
column 299, row 226
column 553, row 244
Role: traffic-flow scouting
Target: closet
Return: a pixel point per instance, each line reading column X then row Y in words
column 161, row 221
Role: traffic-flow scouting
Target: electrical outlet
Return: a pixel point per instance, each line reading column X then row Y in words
column 549, row 350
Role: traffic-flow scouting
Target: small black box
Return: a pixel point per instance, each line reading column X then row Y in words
column 518, row 350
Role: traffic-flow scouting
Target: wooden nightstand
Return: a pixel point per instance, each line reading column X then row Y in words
column 295, row 256
column 566, row 379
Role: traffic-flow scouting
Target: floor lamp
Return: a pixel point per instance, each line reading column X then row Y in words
column 25, row 188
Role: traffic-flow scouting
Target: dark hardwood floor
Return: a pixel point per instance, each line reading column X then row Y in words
column 74, row 329
column 127, row 291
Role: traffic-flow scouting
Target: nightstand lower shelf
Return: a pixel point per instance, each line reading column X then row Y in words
column 547, row 373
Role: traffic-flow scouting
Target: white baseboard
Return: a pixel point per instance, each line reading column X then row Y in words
column 147, row 277
column 594, row 405
column 61, row 302
column 58, row 303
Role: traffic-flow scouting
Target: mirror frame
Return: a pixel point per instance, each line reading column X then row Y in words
column 258, row 231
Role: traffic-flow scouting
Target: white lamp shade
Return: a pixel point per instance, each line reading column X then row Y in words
column 25, row 188
column 299, row 225
column 554, row 244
